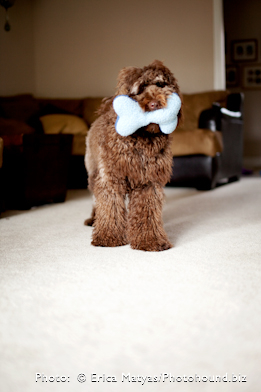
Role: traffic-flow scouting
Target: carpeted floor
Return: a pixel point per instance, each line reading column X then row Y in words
column 188, row 318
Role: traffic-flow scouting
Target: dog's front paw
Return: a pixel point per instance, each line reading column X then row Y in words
column 108, row 241
column 152, row 245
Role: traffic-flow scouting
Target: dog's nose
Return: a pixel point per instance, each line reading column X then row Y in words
column 153, row 105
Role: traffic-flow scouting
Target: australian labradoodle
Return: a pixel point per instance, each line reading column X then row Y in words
column 138, row 165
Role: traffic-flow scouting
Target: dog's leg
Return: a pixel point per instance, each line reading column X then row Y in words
column 110, row 218
column 145, row 226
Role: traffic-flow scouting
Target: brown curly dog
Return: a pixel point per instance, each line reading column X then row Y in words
column 137, row 166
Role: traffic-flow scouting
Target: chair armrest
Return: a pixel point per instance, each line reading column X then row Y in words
column 230, row 113
column 232, row 135
column 211, row 118
column 230, row 122
column 235, row 102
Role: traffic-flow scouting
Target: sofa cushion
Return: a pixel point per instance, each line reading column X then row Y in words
column 19, row 107
column 60, row 106
column 90, row 107
column 52, row 109
column 194, row 104
column 196, row 141
column 48, row 107
column 14, row 127
column 79, row 145
column 64, row 123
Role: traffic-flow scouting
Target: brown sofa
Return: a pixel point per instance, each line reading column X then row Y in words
column 26, row 120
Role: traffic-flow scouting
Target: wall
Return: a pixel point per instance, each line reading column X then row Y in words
column 81, row 45
column 242, row 21
column 17, row 49
column 64, row 48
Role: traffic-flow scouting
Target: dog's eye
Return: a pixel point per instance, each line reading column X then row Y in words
column 142, row 88
column 160, row 84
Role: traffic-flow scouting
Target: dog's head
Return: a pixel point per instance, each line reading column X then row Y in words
column 149, row 86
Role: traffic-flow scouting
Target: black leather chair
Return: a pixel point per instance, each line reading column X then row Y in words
column 205, row 172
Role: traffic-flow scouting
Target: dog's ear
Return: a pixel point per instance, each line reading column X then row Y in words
column 126, row 78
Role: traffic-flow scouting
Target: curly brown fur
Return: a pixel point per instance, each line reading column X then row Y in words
column 138, row 165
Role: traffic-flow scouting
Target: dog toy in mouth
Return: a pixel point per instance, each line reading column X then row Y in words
column 131, row 117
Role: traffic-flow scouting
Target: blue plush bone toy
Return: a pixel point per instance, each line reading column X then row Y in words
column 131, row 117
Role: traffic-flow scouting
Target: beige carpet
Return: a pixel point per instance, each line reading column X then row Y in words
column 187, row 319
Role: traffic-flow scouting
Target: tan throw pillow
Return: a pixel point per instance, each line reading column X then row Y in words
column 64, row 123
